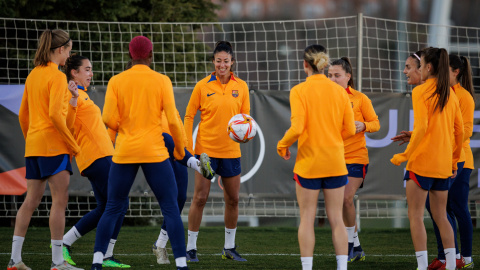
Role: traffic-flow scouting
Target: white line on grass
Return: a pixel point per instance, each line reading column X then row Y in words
column 218, row 254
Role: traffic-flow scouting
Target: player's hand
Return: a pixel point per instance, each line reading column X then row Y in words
column 359, row 127
column 454, row 174
column 72, row 87
column 287, row 155
column 403, row 137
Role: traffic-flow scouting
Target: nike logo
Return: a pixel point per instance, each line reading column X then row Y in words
column 419, row 256
column 76, row 235
column 86, row 99
column 228, row 232
column 164, row 233
column 57, row 245
column 209, row 94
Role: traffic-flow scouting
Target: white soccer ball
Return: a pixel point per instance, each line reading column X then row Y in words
column 242, row 128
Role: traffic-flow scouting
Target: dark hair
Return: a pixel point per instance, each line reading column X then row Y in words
column 129, row 65
column 74, row 62
column 223, row 46
column 465, row 74
column 417, row 56
column 49, row 41
column 346, row 65
column 438, row 58
column 316, row 56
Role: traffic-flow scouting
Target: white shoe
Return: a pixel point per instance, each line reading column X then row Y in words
column 18, row 266
column 162, row 255
column 64, row 266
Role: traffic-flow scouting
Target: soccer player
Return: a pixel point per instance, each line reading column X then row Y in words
column 94, row 159
column 431, row 155
column 134, row 103
column 457, row 204
column 322, row 118
column 48, row 144
column 356, row 153
column 219, row 97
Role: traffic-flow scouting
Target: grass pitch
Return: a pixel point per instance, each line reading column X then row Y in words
column 264, row 248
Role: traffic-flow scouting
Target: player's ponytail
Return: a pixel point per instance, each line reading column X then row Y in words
column 224, row 46
column 316, row 56
column 438, row 58
column 49, row 41
column 346, row 65
column 466, row 76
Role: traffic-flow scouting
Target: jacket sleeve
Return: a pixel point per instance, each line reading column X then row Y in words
column 110, row 115
column 174, row 125
column 191, row 111
column 371, row 118
column 348, row 120
column 23, row 114
column 458, row 136
column 297, row 123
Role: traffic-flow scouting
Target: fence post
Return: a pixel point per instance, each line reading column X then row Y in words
column 359, row 50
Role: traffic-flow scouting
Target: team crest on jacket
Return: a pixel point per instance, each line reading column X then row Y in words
column 234, row 93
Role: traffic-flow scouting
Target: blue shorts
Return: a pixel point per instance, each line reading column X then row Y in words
column 429, row 183
column 225, row 167
column 44, row 167
column 357, row 170
column 321, row 183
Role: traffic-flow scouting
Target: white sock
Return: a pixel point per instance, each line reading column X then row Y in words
column 356, row 241
column 350, row 233
column 57, row 252
column 467, row 260
column 181, row 261
column 17, row 244
column 192, row 240
column 111, row 245
column 194, row 164
column 230, row 238
column 422, row 259
column 458, row 256
column 71, row 236
column 307, row 263
column 450, row 263
column 342, row 262
column 97, row 257
column 162, row 239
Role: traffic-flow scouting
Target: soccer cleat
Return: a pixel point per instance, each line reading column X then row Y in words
column 192, row 255
column 356, row 254
column 460, row 262
column 64, row 266
column 232, row 254
column 161, row 253
column 17, row 266
column 96, row 266
column 469, row 265
column 205, row 167
column 436, row 264
column 112, row 262
column 182, row 268
column 66, row 250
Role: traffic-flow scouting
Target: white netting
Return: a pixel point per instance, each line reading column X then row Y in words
column 268, row 53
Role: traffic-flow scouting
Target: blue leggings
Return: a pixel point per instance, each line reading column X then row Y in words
column 97, row 174
column 161, row 180
column 457, row 211
column 180, row 171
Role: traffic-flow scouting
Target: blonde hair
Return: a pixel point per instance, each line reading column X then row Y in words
column 49, row 41
column 316, row 56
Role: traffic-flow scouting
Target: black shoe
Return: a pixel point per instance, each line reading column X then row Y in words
column 182, row 268
column 96, row 266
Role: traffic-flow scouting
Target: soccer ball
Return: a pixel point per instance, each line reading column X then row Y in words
column 242, row 128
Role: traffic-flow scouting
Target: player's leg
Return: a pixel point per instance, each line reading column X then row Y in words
column 307, row 203
column 161, row 180
column 121, row 177
column 349, row 218
column 416, row 197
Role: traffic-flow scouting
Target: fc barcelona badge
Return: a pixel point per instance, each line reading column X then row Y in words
column 234, row 93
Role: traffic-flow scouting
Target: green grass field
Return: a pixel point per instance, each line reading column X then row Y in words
column 264, row 248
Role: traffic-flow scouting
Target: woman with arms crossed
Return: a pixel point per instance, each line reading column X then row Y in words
column 322, row 118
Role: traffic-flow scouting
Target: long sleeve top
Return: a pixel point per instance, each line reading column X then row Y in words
column 322, row 118
column 217, row 103
column 431, row 152
column 356, row 146
column 467, row 107
column 43, row 113
column 134, row 103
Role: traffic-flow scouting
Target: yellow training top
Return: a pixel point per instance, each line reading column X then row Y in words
column 322, row 117
column 43, row 113
column 89, row 131
column 134, row 103
column 217, row 103
column 467, row 107
column 431, row 152
column 166, row 129
column 356, row 146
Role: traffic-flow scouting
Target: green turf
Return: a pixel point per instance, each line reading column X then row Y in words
column 264, row 248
